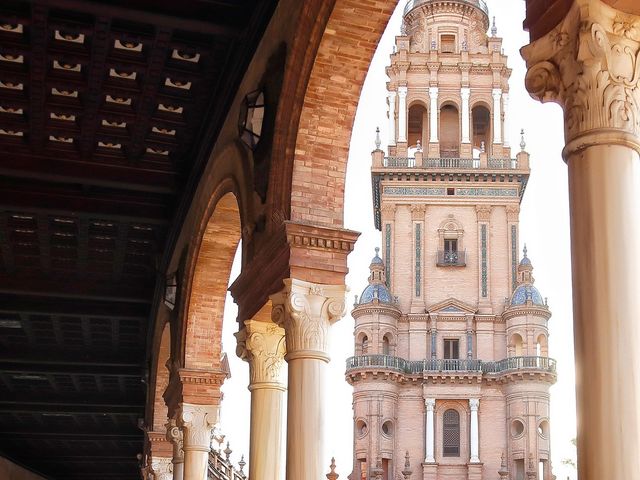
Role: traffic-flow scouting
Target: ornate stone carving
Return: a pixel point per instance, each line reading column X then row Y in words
column 590, row 65
column 162, row 468
column 262, row 344
column 417, row 211
column 197, row 423
column 306, row 311
column 174, row 435
column 388, row 211
column 483, row 212
column 513, row 212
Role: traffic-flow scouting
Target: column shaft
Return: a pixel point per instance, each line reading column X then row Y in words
column 430, row 403
column 497, row 130
column 604, row 195
column 306, row 311
column 465, row 92
column 474, row 403
column 433, row 111
column 402, row 114
column 197, row 422
column 505, row 123
column 392, row 118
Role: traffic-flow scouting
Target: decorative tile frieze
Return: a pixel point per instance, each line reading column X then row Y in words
column 483, row 247
column 418, row 247
column 387, row 253
column 514, row 257
column 435, row 192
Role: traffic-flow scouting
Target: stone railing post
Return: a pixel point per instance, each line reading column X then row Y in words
column 262, row 344
column 590, row 64
column 306, row 311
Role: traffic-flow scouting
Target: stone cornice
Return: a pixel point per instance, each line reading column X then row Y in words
column 590, row 65
column 523, row 310
column 375, row 307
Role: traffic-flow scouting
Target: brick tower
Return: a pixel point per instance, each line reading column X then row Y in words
column 451, row 373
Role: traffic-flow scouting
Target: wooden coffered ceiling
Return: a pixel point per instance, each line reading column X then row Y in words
column 107, row 112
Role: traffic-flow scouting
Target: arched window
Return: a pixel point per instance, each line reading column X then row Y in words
column 451, row 433
column 418, row 121
column 517, row 344
column 449, row 132
column 365, row 345
column 481, row 130
column 386, row 349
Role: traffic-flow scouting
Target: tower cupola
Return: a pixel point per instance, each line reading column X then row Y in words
column 525, row 291
column 377, row 288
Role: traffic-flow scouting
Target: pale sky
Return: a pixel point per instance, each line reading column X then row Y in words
column 544, row 227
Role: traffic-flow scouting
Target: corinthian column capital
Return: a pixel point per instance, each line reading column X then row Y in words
column 590, row 65
column 174, row 435
column 262, row 344
column 197, row 422
column 162, row 468
column 306, row 311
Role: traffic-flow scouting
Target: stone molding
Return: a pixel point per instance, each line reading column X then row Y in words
column 174, row 435
column 590, row 65
column 307, row 236
column 162, row 468
column 197, row 422
column 306, row 311
column 262, row 345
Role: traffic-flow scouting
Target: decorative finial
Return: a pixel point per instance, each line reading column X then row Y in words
column 494, row 29
column 377, row 249
column 503, row 461
column 355, row 300
column 524, row 250
column 433, row 45
column 482, row 147
column 522, row 142
column 227, row 451
column 332, row 475
column 378, row 142
column 465, row 44
column 242, row 463
column 419, row 145
column 406, row 473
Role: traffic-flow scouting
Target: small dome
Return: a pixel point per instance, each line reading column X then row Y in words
column 376, row 260
column 525, row 261
column 377, row 291
column 527, row 292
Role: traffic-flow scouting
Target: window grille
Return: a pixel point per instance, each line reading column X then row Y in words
column 451, row 433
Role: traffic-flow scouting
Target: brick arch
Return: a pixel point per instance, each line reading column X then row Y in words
column 329, row 59
column 209, row 269
column 160, row 380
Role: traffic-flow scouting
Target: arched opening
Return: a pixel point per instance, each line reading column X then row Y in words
column 451, row 433
column 541, row 346
column 386, row 345
column 449, row 131
column 205, row 308
column 517, row 344
column 481, row 130
column 364, row 345
column 418, row 126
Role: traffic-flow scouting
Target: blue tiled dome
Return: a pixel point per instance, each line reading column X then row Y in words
column 376, row 260
column 525, row 261
column 524, row 293
column 376, row 290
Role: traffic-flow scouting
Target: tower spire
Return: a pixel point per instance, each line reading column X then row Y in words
column 494, row 29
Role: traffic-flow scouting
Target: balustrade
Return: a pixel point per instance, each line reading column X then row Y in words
column 452, row 163
column 451, row 365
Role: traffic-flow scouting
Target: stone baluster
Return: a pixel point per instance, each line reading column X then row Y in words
column 589, row 64
column 306, row 311
column 262, row 344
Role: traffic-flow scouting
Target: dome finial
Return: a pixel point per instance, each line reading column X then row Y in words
column 494, row 29
column 378, row 141
column 524, row 251
column 522, row 142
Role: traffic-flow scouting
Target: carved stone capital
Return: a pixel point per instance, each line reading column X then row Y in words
column 513, row 213
column 197, row 423
column 590, row 65
column 306, row 311
column 474, row 404
column 262, row 344
column 388, row 212
column 430, row 403
column 162, row 468
column 174, row 435
column 483, row 212
column 417, row 211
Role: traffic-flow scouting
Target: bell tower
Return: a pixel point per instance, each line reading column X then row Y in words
column 451, row 372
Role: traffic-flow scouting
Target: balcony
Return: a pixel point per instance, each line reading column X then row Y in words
column 431, row 365
column 450, row 163
column 476, row 3
column 448, row 258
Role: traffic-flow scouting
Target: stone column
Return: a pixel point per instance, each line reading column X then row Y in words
column 174, row 435
column 262, row 345
column 589, row 65
column 497, row 113
column 430, row 404
column 197, row 422
column 402, row 114
column 162, row 468
column 474, row 404
column 433, row 111
column 306, row 311
column 465, row 93
column 392, row 118
column 505, row 123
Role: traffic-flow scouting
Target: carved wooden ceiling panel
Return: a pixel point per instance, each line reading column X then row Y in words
column 108, row 110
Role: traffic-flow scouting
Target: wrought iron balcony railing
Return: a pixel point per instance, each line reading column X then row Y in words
column 450, row 258
column 450, row 163
column 414, row 367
